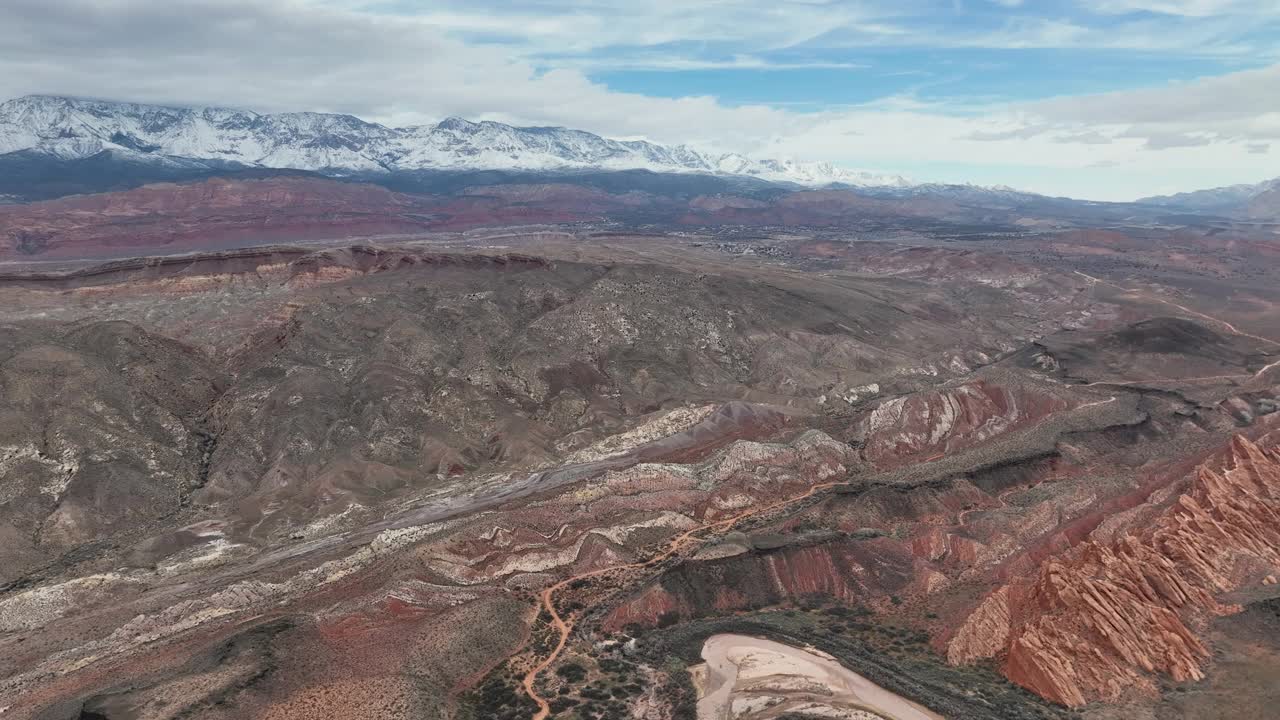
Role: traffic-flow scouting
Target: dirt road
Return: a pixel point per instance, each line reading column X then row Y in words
column 565, row 627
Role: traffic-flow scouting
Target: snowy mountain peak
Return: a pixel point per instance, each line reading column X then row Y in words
column 70, row 127
column 456, row 124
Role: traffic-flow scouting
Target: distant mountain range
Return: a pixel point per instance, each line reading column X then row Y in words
column 69, row 129
column 52, row 146
column 1260, row 200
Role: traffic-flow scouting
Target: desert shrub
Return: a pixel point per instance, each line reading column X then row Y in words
column 573, row 672
column 561, row 704
column 499, row 697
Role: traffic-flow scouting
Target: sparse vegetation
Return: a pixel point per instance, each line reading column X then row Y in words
column 572, row 672
column 897, row 658
column 498, row 697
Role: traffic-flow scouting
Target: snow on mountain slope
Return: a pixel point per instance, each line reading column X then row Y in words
column 1230, row 197
column 68, row 128
column 804, row 173
column 981, row 194
column 457, row 143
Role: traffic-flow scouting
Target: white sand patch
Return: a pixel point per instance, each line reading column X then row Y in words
column 662, row 426
column 667, row 519
column 750, row 678
column 217, row 551
column 526, row 559
column 40, row 606
column 328, row 523
column 63, row 468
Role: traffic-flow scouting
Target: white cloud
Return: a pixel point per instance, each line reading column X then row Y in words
column 406, row 69
column 290, row 56
column 566, row 26
column 1240, row 104
column 1189, row 8
column 668, row 63
column 596, row 30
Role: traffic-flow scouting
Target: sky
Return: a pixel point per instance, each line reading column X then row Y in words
column 1095, row 99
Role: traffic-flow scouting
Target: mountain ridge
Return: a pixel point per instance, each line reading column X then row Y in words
column 70, row 128
column 1227, row 197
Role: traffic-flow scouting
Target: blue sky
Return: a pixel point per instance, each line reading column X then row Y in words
column 960, row 76
column 1106, row 99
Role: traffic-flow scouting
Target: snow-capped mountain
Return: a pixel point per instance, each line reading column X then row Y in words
column 68, row 128
column 1219, row 198
column 994, row 195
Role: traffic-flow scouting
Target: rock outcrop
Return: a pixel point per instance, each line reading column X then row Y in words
column 938, row 422
column 1109, row 616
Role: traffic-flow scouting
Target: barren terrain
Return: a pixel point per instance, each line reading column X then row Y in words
column 746, row 677
column 408, row 456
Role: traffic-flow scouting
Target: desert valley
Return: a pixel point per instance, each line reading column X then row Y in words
column 663, row 443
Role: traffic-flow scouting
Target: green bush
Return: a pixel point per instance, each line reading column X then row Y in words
column 572, row 671
column 561, row 704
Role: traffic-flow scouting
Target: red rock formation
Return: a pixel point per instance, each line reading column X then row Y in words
column 1108, row 616
column 225, row 212
column 938, row 422
column 205, row 214
column 852, row 573
column 985, row 633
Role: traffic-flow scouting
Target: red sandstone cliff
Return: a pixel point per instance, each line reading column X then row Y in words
column 1109, row 616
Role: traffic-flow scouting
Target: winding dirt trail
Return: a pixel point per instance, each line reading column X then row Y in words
column 1138, row 291
column 565, row 627
column 1247, row 377
column 1230, row 327
column 1266, row 369
column 962, row 519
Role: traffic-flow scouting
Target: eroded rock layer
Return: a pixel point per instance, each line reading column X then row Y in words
column 366, row 480
column 1110, row 616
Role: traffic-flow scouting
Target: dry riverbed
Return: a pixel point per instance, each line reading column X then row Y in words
column 748, row 678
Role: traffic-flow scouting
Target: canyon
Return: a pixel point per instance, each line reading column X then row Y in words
column 280, row 446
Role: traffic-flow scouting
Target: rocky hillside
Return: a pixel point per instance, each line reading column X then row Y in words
column 520, row 470
column 1108, row 616
column 1257, row 200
